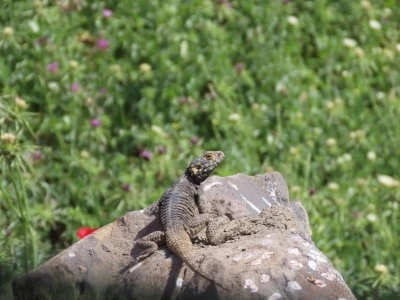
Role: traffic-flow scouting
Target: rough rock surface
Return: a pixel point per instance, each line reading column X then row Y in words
column 269, row 254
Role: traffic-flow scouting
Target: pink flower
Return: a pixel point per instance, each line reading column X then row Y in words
column 102, row 44
column 36, row 156
column 146, row 154
column 84, row 231
column 126, row 187
column 161, row 150
column 52, row 67
column 107, row 13
column 95, row 123
column 75, row 87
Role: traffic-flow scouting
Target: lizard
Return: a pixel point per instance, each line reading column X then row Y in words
column 183, row 213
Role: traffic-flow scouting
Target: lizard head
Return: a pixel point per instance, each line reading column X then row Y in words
column 201, row 167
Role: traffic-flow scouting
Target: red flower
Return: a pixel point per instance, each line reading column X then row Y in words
column 84, row 231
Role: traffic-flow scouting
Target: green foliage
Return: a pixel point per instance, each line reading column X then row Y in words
column 119, row 104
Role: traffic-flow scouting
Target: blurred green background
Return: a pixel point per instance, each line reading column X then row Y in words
column 103, row 104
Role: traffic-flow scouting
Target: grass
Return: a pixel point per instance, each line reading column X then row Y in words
column 99, row 114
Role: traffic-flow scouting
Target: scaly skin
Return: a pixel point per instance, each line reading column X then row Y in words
column 183, row 212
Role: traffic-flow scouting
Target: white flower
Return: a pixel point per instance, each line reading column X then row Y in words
column 344, row 158
column 331, row 142
column 8, row 137
column 330, row 105
column 360, row 52
column 84, row 154
column 366, row 4
column 293, row 150
column 295, row 189
column 357, row 134
column 350, row 43
column 388, row 181
column 346, row 74
column 19, row 102
column 374, row 24
column 234, row 117
column 184, row 49
column 372, row 217
column 371, row 155
column 74, row 64
column 387, row 12
column 398, row 47
column 381, row 268
column 292, row 20
column 347, row 157
column 333, row 186
column 270, row 139
column 8, row 31
column 380, row 96
column 145, row 68
column 256, row 132
column 281, row 88
column 34, row 26
column 54, row 86
column 159, row 131
column 317, row 131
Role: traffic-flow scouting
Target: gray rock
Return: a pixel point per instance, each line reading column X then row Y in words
column 269, row 254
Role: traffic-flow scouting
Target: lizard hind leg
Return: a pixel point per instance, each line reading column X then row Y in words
column 150, row 244
column 197, row 224
column 215, row 230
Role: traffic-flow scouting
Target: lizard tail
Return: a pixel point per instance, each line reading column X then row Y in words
column 184, row 249
column 209, row 276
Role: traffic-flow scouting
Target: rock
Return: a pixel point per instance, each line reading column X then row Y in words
column 269, row 254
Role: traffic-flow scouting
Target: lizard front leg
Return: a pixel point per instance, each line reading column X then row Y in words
column 201, row 201
column 150, row 243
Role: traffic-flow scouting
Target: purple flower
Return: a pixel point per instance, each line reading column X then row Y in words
column 102, row 44
column 107, row 13
column 126, row 187
column 36, row 156
column 161, row 150
column 312, row 191
column 52, row 67
column 95, row 123
column 43, row 40
column 239, row 67
column 103, row 91
column 195, row 140
column 146, row 154
column 184, row 100
column 75, row 87
column 226, row 3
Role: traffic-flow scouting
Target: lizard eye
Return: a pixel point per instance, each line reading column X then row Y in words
column 208, row 156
